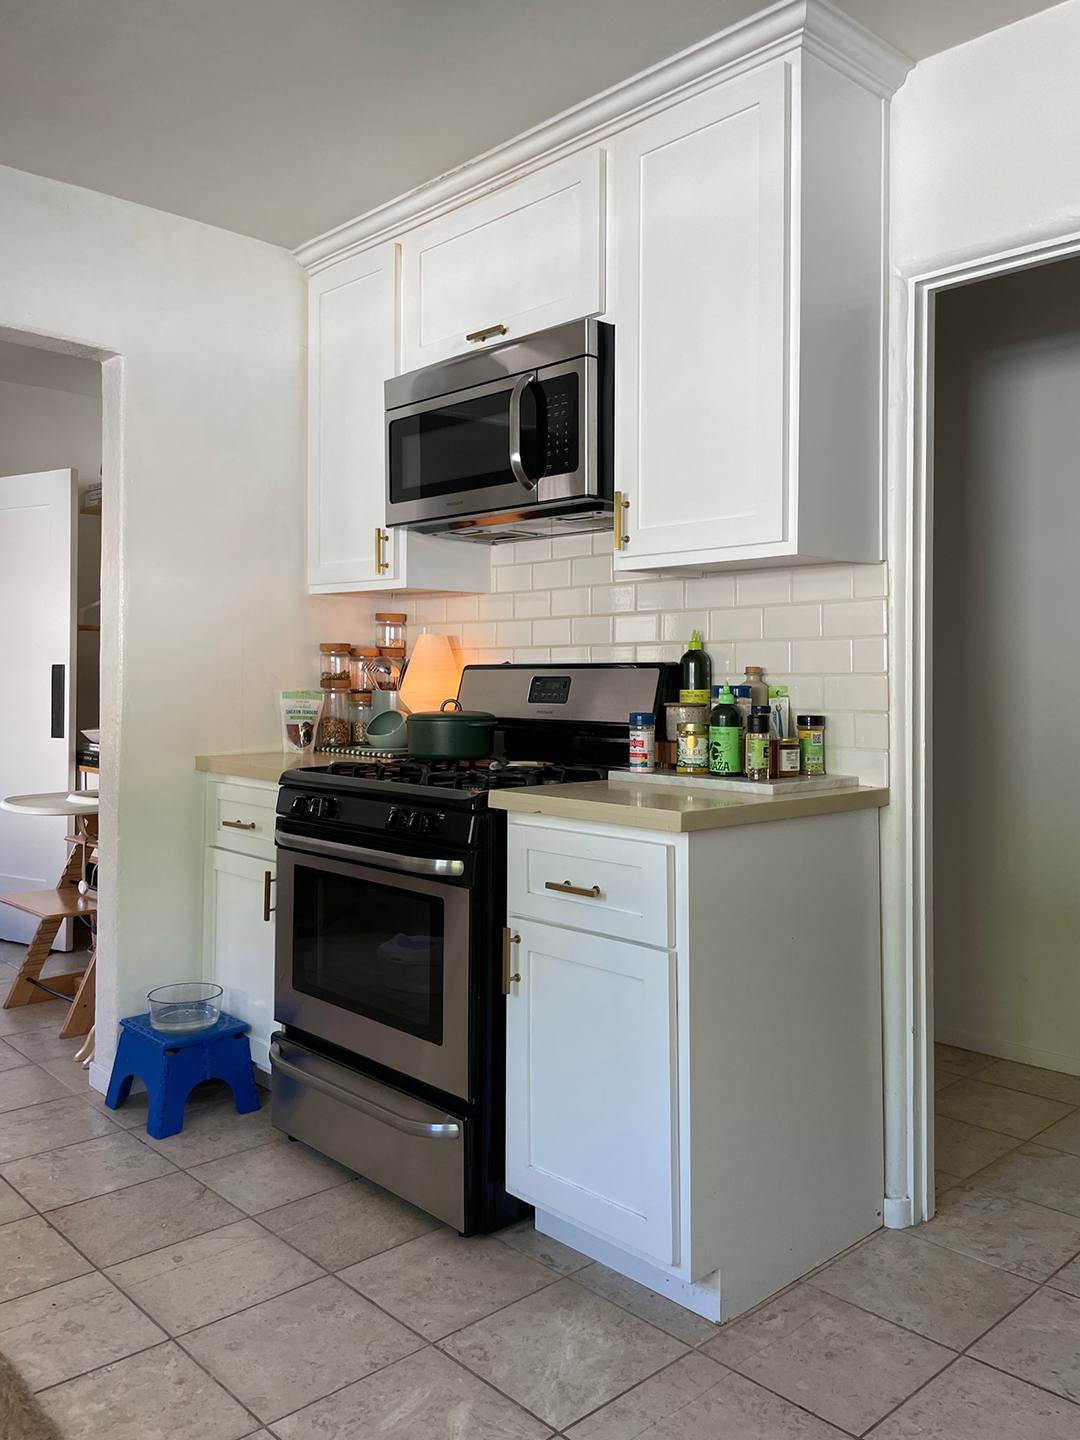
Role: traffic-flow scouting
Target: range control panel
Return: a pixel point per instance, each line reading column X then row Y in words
column 414, row 822
column 319, row 807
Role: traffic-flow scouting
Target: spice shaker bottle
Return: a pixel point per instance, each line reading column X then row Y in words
column 759, row 691
column 757, row 745
column 642, row 740
column 811, row 744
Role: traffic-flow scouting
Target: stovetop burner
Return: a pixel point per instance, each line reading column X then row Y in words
column 474, row 777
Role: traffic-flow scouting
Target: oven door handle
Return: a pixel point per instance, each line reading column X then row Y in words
column 521, row 475
column 420, row 1128
column 387, row 859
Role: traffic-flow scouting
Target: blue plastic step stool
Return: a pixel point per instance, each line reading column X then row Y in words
column 170, row 1066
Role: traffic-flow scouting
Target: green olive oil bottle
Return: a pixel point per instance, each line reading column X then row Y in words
column 725, row 734
column 696, row 681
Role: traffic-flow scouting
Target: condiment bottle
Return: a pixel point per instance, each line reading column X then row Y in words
column 725, row 734
column 811, row 744
column 757, row 746
column 759, row 691
column 696, row 678
column 693, row 753
column 790, row 762
column 642, row 740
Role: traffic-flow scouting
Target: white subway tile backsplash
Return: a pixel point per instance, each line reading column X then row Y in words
column 856, row 692
column 591, row 570
column 591, row 629
column 820, row 657
column 526, row 551
column 774, row 656
column 571, row 655
column 857, row 617
column 807, row 693
column 532, row 655
column 870, row 766
column 461, row 607
column 636, row 629
column 870, row 580
column 613, row 599
column 872, row 732
column 870, row 657
column 428, row 610
column 840, row 731
column 661, row 595
column 821, row 582
column 567, row 546
column 614, row 654
column 792, row 622
column 711, row 593
column 478, row 634
column 531, row 604
column 735, row 624
column 763, row 587
column 664, row 653
column 495, row 607
column 551, row 632
column 514, row 577
column 512, row 633
column 682, row 623
column 570, row 602
column 551, row 574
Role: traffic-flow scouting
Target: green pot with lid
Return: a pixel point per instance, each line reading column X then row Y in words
column 451, row 734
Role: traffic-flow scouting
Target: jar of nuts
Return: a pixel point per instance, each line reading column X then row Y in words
column 335, row 727
column 335, row 658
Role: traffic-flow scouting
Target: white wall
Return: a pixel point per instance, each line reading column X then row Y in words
column 202, row 611
column 1006, row 516
column 46, row 429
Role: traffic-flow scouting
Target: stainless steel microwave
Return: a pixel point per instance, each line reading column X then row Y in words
column 508, row 444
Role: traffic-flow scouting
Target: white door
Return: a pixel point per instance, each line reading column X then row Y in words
column 352, row 350
column 700, row 200
column 524, row 258
column 37, row 706
column 591, row 1085
column 240, row 941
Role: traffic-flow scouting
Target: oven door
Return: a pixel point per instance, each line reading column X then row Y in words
column 526, row 439
column 372, row 955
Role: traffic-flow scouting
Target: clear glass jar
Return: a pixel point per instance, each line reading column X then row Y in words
column 390, row 634
column 359, row 715
column 334, row 657
column 335, row 727
column 361, row 675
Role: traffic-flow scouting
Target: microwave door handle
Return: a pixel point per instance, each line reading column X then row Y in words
column 520, row 386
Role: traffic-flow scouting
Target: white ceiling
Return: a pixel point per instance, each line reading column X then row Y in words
column 284, row 118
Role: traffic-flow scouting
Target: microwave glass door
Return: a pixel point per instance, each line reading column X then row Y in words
column 460, row 443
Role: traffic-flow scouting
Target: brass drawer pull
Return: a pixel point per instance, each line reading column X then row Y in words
column 381, row 538
column 491, row 330
column 565, row 888
column 619, row 520
column 508, row 978
column 238, row 825
column 268, row 909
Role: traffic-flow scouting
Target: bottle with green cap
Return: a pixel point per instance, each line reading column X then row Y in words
column 725, row 734
column 696, row 678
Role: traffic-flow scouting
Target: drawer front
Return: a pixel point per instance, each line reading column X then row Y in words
column 241, row 818
column 623, row 888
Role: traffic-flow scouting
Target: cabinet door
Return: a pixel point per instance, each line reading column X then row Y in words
column 240, row 942
column 526, row 257
column 352, row 349
column 701, row 297
column 591, row 1085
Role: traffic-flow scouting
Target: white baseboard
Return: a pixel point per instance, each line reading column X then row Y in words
column 1009, row 1050
column 99, row 1077
column 897, row 1213
column 702, row 1296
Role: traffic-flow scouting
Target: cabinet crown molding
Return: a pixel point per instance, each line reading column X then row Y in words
column 811, row 25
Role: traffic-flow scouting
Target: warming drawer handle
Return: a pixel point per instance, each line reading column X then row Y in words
column 565, row 888
column 238, row 825
column 388, row 859
column 421, row 1128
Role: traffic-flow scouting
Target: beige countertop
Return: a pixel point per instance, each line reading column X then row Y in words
column 655, row 807
column 267, row 766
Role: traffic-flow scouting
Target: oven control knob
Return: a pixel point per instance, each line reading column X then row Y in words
column 324, row 806
column 396, row 819
column 302, row 805
column 419, row 823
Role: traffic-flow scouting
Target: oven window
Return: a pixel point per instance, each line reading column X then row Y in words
column 374, row 949
column 462, row 445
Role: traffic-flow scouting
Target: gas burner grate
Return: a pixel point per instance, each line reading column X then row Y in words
column 475, row 777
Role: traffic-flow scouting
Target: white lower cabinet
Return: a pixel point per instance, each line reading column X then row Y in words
column 591, row 1051
column 239, row 941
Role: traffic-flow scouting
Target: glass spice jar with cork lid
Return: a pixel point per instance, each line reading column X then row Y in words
column 390, row 635
column 334, row 657
column 362, row 676
column 335, row 727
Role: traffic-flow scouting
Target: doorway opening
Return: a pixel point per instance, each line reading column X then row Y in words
column 1003, row 713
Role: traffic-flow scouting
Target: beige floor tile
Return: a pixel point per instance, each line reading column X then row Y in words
column 944, row 1181
column 38, row 1016
column 10, row 1059
column 1003, row 1230
column 271, row 1175
column 33, row 1256
column 12, row 1204
column 1053, row 1084
column 1067, row 1278
column 213, row 1131
column 1043, row 1176
column 342, row 1226
column 283, row 1354
column 972, row 1402
column 197, row 1281
column 1064, row 1135
column 779, row 1316
column 160, row 1394
column 662, row 1396
column 962, row 1149
column 1040, row 1343
column 1012, row 1112
column 54, row 1334
column 426, row 1396
column 111, row 1228
column 76, row 1172
column 28, row 1085
column 943, row 1077
column 960, row 1062
column 441, row 1282
column 44, row 1044
column 50, row 1126
column 846, row 1366
column 525, row 1237
column 647, row 1304
column 936, row 1292
column 563, row 1351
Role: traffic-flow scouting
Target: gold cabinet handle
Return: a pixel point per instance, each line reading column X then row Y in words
column 238, row 825
column 478, row 335
column 508, row 978
column 565, row 888
column 268, row 909
column 621, row 504
column 381, row 539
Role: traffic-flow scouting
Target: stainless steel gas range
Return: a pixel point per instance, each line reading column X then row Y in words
column 389, row 978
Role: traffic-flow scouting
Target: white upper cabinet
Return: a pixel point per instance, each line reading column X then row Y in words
column 352, row 350
column 528, row 256
column 748, row 303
